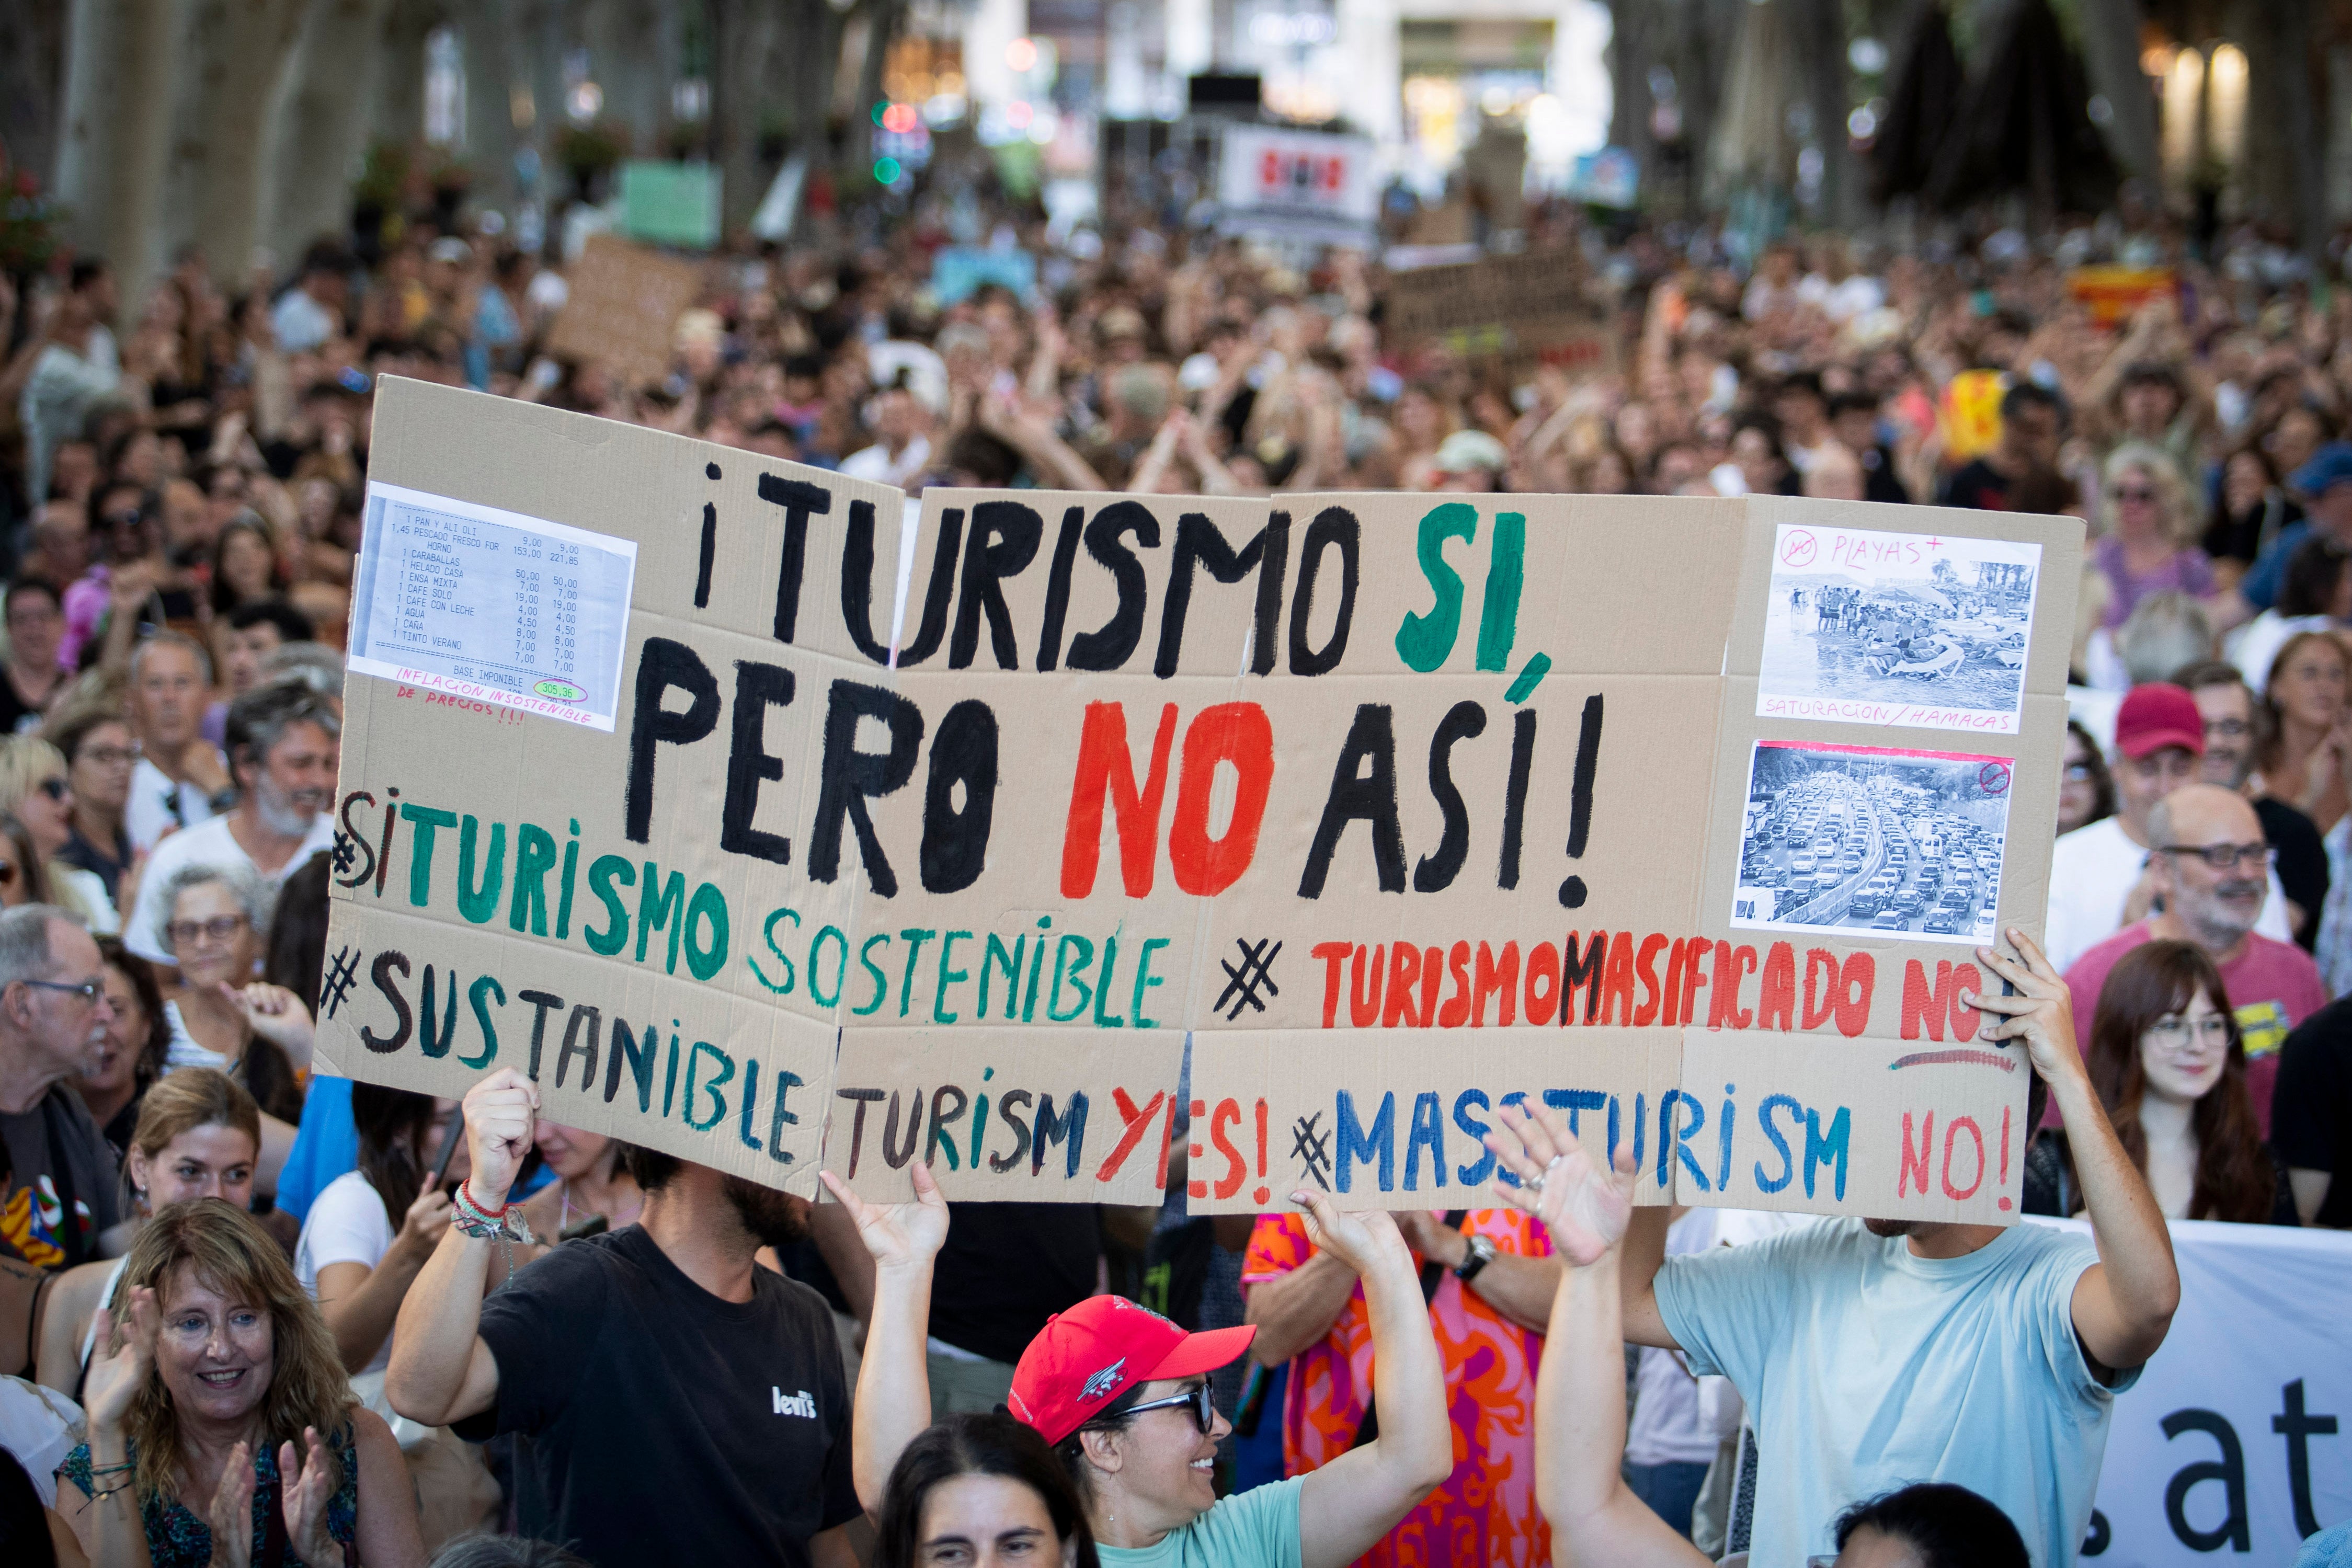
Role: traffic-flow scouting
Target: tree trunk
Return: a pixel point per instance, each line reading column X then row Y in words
column 629, row 59
column 1631, row 105
column 116, row 136
column 1821, row 42
column 883, row 18
column 2280, row 164
column 398, row 112
column 489, row 103
column 322, row 127
column 2111, row 58
column 243, row 48
column 32, row 83
column 742, row 35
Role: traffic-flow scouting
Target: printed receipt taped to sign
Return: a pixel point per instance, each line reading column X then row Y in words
column 512, row 610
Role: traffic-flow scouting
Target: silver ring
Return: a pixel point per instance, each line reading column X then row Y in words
column 1535, row 1185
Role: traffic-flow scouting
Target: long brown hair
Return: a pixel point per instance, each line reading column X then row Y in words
column 232, row 1253
column 2270, row 724
column 2235, row 1179
column 392, row 1125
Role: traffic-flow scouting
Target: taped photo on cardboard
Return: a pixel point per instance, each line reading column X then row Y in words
column 1904, row 844
column 1919, row 630
column 492, row 606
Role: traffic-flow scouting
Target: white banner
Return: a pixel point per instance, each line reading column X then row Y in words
column 2236, row 1442
column 1306, row 183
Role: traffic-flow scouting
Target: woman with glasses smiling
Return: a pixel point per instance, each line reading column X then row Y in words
column 2166, row 1061
column 1121, row 1395
column 214, row 919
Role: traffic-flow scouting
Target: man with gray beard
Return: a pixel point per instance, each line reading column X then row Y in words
column 283, row 740
column 2211, row 865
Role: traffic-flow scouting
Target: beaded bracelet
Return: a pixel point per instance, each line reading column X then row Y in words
column 505, row 1223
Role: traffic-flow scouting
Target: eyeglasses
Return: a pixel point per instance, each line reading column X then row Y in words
column 8, row 874
column 2231, row 728
column 88, row 990
column 2132, row 493
column 55, row 788
column 110, row 756
column 2080, row 773
column 129, row 519
column 1205, row 1414
column 2174, row 1033
column 220, row 928
column 2223, row 857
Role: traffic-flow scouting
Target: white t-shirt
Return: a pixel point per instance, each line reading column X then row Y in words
column 347, row 1224
column 156, row 803
column 207, row 844
column 1867, row 1368
column 2092, row 871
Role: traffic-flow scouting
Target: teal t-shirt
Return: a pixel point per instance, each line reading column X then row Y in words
column 1866, row 1368
column 1258, row 1528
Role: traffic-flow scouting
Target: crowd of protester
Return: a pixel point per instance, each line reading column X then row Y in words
column 255, row 1313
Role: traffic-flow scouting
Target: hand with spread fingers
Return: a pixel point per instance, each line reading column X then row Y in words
column 897, row 1234
column 2041, row 1013
column 1584, row 1204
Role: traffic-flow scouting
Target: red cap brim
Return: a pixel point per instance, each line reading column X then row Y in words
column 2139, row 746
column 1205, row 1352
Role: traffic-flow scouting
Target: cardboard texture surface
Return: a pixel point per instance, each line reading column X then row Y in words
column 1324, row 780
column 1515, row 307
column 625, row 302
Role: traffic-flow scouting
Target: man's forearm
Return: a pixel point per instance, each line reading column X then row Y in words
column 433, row 1338
column 1521, row 1289
column 2142, row 1283
column 1644, row 1251
column 1294, row 1312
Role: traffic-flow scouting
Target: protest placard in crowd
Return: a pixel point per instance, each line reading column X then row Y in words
column 1519, row 308
column 623, row 307
column 1684, row 816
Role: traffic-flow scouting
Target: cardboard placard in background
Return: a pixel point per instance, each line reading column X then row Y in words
column 1518, row 309
column 1280, row 183
column 624, row 305
column 1435, row 779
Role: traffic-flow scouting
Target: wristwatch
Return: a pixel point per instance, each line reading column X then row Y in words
column 1481, row 1253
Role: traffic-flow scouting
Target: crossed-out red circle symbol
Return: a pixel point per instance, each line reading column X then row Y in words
column 1993, row 779
column 1799, row 548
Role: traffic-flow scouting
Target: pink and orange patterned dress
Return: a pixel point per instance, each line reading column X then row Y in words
column 1485, row 1512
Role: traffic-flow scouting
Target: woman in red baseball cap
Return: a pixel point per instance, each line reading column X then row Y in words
column 1121, row 1395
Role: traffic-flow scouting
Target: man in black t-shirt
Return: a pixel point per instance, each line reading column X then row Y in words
column 1005, row 1270
column 683, row 1404
column 2032, row 422
column 2311, row 1115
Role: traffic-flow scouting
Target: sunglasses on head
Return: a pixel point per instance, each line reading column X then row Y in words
column 1205, row 1414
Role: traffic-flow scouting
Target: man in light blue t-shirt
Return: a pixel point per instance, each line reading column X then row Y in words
column 1876, row 1352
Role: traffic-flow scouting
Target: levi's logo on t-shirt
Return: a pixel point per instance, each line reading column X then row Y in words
column 801, row 1404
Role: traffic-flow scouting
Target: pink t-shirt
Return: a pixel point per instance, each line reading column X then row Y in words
column 2273, row 986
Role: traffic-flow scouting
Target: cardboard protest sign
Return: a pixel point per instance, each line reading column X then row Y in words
column 1324, row 780
column 594, row 903
column 623, row 303
column 1515, row 307
column 1298, row 184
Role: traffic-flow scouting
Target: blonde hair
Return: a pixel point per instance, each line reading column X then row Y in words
column 2180, row 521
column 232, row 1253
column 193, row 1097
column 24, row 761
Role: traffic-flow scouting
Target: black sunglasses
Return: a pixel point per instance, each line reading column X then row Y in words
column 1205, row 1414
